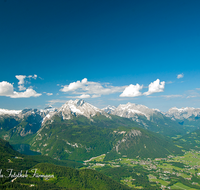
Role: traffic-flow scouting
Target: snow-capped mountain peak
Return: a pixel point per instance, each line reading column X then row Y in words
column 109, row 109
column 79, row 107
column 182, row 113
column 132, row 110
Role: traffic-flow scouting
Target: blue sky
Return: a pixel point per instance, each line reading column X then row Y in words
column 105, row 51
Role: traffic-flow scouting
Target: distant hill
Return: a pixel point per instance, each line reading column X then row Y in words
column 190, row 141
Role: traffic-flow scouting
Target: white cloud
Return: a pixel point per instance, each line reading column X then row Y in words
column 20, row 78
column 26, row 94
column 172, row 96
column 180, row 76
column 74, row 86
column 132, row 91
column 6, row 89
column 33, row 76
column 84, row 96
column 21, row 87
column 94, row 89
column 21, row 81
column 155, row 86
column 192, row 96
column 89, row 89
column 81, row 96
column 49, row 94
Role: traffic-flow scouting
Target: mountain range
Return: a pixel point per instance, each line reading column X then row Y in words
column 78, row 130
column 80, row 107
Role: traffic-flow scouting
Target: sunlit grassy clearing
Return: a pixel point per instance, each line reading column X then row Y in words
column 162, row 182
column 181, row 186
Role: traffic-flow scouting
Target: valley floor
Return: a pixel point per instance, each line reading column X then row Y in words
column 173, row 172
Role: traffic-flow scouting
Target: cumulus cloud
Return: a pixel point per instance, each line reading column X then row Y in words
column 81, row 96
column 155, row 86
column 89, row 89
column 26, row 94
column 180, row 76
column 6, row 89
column 84, row 96
column 21, row 87
column 21, row 79
column 21, row 82
column 74, row 86
column 132, row 91
column 49, row 94
column 94, row 89
column 32, row 76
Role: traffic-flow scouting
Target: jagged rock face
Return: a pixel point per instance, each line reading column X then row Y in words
column 130, row 110
column 131, row 134
column 183, row 113
column 75, row 108
column 22, row 122
column 109, row 109
column 79, row 107
column 67, row 111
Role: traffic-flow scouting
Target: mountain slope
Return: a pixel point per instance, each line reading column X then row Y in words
column 80, row 179
column 190, row 141
column 144, row 144
column 80, row 138
column 63, row 177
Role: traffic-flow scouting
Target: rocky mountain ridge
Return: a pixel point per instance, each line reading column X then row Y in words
column 80, row 107
column 131, row 110
column 183, row 113
column 29, row 121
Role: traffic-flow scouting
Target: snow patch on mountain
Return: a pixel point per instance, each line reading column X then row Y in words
column 131, row 110
column 183, row 113
column 109, row 109
column 79, row 107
